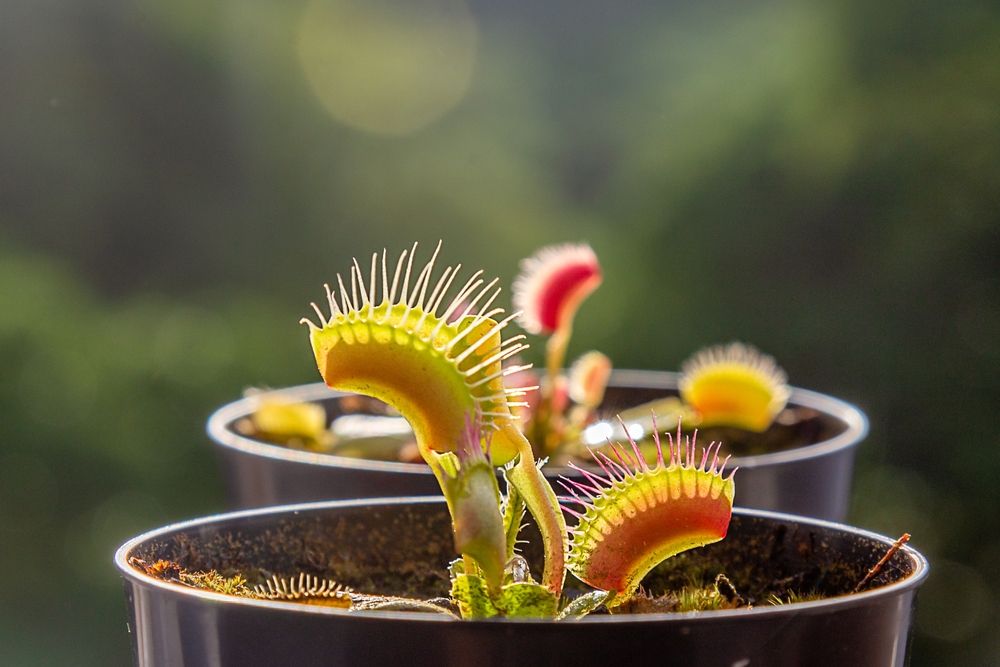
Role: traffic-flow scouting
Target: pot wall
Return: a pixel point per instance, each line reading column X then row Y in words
column 173, row 631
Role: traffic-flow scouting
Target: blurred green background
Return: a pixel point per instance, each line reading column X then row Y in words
column 178, row 179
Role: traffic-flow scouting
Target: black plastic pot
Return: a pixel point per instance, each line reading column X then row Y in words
column 410, row 537
column 813, row 480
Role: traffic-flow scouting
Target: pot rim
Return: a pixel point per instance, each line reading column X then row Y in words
column 912, row 581
column 218, row 429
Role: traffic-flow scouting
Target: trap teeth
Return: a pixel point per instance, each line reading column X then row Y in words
column 635, row 515
column 734, row 385
column 303, row 587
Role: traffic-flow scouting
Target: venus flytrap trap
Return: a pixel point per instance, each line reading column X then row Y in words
column 434, row 369
column 295, row 425
column 305, row 588
column 734, row 385
column 635, row 516
column 731, row 386
column 586, row 384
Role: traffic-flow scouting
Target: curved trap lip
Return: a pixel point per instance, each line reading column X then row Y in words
column 218, row 427
column 910, row 582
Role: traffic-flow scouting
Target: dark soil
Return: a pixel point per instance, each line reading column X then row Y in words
column 404, row 551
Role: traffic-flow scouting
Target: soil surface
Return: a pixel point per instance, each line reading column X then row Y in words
column 796, row 426
column 404, row 551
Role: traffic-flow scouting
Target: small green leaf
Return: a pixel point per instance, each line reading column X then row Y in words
column 472, row 596
column 474, row 499
column 456, row 568
column 583, row 605
column 528, row 600
column 525, row 599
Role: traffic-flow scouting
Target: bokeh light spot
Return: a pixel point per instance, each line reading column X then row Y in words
column 388, row 66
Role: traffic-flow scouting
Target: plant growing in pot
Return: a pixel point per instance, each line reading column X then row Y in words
column 795, row 447
column 212, row 592
column 791, row 581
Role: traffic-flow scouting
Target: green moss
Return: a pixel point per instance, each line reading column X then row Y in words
column 211, row 580
column 791, row 597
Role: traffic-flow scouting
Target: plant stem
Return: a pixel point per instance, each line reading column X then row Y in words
column 872, row 573
column 555, row 349
column 430, row 457
column 513, row 516
column 555, row 360
column 478, row 558
column 544, row 507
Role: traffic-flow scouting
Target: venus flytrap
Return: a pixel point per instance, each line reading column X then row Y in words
column 398, row 332
column 444, row 374
column 731, row 386
column 297, row 425
column 408, row 348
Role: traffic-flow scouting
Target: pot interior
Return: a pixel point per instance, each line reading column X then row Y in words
column 404, row 548
column 797, row 426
